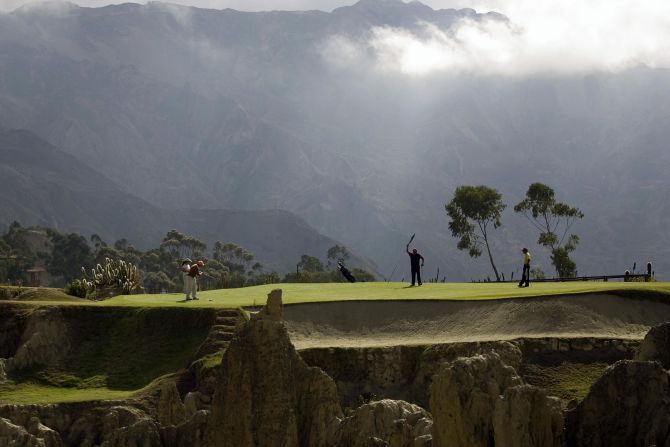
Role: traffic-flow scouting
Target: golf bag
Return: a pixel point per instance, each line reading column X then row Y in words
column 345, row 272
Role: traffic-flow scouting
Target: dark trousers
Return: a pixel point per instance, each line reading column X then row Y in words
column 416, row 273
column 525, row 276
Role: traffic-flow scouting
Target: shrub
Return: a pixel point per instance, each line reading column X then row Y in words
column 112, row 278
column 77, row 288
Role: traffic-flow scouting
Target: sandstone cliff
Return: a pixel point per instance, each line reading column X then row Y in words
column 628, row 406
column 656, row 345
column 480, row 401
column 263, row 394
column 266, row 394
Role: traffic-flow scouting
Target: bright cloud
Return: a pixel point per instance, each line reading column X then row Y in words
column 569, row 36
column 566, row 36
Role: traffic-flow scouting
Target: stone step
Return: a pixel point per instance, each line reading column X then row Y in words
column 227, row 336
column 217, row 345
column 226, row 320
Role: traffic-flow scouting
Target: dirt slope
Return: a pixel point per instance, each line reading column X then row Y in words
column 375, row 323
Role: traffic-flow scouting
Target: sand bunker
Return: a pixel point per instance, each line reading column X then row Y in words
column 385, row 323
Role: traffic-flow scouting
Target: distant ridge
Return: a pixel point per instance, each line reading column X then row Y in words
column 47, row 187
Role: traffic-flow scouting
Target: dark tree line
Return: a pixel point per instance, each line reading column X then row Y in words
column 311, row 269
column 64, row 254
column 228, row 264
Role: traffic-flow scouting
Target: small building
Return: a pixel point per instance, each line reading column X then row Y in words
column 36, row 276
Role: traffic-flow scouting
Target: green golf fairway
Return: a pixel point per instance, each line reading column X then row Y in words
column 326, row 292
column 30, row 393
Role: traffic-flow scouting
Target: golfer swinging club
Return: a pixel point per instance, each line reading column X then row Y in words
column 414, row 258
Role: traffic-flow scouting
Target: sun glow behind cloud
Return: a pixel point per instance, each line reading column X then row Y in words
column 542, row 36
column 570, row 36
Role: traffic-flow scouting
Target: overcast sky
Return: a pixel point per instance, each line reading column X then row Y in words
column 564, row 36
column 263, row 5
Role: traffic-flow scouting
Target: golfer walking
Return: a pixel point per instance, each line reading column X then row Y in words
column 415, row 258
column 525, row 275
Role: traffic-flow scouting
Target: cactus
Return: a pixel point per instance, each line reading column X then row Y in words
column 117, row 275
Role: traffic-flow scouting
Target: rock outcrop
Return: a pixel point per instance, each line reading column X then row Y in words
column 481, row 401
column 385, row 423
column 463, row 398
column 143, row 433
column 266, row 394
column 196, row 401
column 190, row 433
column 117, row 426
column 35, row 435
column 656, row 345
column 629, row 405
column 369, row 371
column 435, row 356
column 525, row 417
column 45, row 341
column 3, row 370
column 84, row 424
column 171, row 410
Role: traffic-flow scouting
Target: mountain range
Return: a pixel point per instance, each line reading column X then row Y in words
column 177, row 108
column 49, row 188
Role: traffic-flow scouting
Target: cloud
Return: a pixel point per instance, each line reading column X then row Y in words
column 242, row 5
column 543, row 36
column 571, row 36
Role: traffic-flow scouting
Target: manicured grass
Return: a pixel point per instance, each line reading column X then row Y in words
column 567, row 381
column 48, row 294
column 115, row 353
column 31, row 393
column 125, row 349
column 309, row 293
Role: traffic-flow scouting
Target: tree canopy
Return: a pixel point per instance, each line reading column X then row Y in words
column 553, row 220
column 69, row 253
column 473, row 211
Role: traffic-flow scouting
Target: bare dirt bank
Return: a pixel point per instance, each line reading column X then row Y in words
column 386, row 323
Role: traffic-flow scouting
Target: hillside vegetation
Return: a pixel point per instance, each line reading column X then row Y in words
column 104, row 353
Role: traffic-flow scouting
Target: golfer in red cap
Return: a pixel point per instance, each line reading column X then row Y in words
column 193, row 273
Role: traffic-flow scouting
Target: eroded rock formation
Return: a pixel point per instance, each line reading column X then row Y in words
column 190, row 433
column 463, row 398
column 45, row 341
column 83, row 425
column 386, row 422
column 435, row 356
column 629, row 405
column 34, row 435
column 656, row 345
column 171, row 410
column 266, row 394
column 525, row 416
column 481, row 401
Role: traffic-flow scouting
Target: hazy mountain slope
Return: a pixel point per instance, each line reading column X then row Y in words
column 50, row 188
column 139, row 93
column 188, row 107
